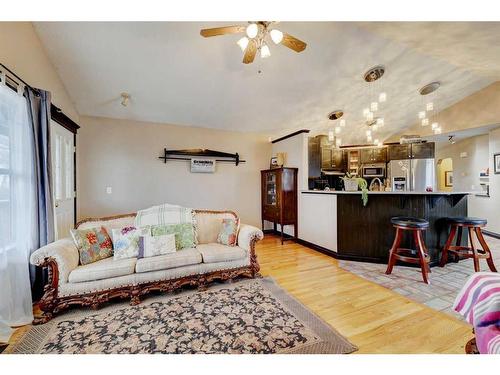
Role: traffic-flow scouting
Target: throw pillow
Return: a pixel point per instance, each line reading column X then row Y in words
column 93, row 244
column 150, row 246
column 126, row 241
column 184, row 234
column 228, row 234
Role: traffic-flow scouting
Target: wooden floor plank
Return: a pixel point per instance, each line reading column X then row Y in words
column 374, row 318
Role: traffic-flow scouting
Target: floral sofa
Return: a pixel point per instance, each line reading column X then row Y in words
column 95, row 283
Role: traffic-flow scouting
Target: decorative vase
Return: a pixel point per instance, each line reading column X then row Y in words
column 351, row 184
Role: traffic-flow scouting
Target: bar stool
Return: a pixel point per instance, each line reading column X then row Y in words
column 418, row 256
column 473, row 225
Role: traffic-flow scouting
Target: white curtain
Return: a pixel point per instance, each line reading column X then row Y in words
column 17, row 211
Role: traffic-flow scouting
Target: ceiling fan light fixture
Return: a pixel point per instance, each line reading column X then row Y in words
column 264, row 51
column 276, row 36
column 252, row 30
column 243, row 43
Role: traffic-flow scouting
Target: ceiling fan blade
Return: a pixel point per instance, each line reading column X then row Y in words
column 222, row 31
column 250, row 52
column 293, row 43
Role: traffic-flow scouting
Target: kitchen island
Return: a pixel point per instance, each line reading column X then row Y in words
column 337, row 222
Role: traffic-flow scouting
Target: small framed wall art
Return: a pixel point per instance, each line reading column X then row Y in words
column 496, row 163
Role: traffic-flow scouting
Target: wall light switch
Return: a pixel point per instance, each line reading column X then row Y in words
column 463, row 154
column 109, row 190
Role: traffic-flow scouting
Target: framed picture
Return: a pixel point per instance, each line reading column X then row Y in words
column 448, row 178
column 496, row 163
column 274, row 162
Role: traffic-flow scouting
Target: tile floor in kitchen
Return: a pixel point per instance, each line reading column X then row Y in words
column 445, row 284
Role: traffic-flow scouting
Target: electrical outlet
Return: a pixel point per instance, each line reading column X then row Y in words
column 109, row 190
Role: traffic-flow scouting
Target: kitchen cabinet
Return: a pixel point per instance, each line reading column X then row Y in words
column 279, row 197
column 373, row 155
column 331, row 157
column 422, row 150
column 314, row 157
column 425, row 150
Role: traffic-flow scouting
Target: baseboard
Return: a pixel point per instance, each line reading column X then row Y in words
column 492, row 234
column 336, row 255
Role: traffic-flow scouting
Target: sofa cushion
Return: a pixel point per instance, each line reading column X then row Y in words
column 208, row 224
column 103, row 269
column 184, row 257
column 215, row 252
column 93, row 244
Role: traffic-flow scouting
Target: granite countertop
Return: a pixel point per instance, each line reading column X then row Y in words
column 388, row 192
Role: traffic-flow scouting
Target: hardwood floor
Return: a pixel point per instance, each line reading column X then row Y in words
column 374, row 318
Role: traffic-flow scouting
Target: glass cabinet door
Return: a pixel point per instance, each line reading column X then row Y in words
column 271, row 188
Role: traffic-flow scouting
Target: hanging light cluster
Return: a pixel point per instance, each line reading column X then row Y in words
column 428, row 116
column 259, row 32
column 372, row 113
column 334, row 133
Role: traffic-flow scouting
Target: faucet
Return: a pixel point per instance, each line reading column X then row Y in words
column 379, row 184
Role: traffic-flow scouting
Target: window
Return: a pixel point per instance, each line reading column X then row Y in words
column 4, row 181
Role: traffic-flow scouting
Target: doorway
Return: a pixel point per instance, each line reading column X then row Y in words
column 63, row 179
column 445, row 174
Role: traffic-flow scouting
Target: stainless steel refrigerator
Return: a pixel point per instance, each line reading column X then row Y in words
column 412, row 175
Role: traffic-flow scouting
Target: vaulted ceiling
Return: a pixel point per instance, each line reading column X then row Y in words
column 175, row 76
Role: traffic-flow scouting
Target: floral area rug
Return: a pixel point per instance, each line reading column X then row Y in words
column 249, row 316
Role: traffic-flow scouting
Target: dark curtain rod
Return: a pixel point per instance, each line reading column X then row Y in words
column 35, row 90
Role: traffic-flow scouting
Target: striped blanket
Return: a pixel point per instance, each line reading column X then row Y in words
column 164, row 214
column 479, row 303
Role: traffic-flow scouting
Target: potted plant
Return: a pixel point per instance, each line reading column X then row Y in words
column 352, row 183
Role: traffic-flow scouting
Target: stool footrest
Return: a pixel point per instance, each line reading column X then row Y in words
column 409, row 256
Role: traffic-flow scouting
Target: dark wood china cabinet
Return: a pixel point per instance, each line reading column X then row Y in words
column 279, row 198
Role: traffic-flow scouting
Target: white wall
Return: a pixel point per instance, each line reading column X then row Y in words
column 23, row 53
column 479, row 151
column 124, row 155
column 296, row 157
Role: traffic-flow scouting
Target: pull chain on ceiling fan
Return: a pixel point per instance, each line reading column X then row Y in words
column 257, row 35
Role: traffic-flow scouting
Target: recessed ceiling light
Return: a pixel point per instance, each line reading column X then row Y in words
column 431, row 87
column 335, row 115
column 374, row 73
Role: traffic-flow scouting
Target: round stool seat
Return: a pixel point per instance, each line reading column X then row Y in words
column 467, row 220
column 410, row 222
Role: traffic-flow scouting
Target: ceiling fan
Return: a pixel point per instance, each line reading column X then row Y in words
column 256, row 39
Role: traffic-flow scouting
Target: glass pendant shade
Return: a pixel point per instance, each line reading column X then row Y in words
column 374, row 106
column 369, row 116
column 252, row 30
column 264, row 51
column 342, row 123
column 337, row 130
column 429, row 106
column 380, row 121
column 421, row 114
column 382, row 97
column 434, row 125
column 375, row 127
column 330, row 136
column 276, row 36
column 425, row 122
column 243, row 43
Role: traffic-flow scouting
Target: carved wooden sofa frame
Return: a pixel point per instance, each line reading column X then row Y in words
column 51, row 303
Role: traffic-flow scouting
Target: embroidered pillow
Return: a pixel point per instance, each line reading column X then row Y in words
column 184, row 234
column 150, row 246
column 228, row 234
column 126, row 241
column 93, row 244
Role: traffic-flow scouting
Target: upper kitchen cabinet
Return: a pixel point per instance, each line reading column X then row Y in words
column 423, row 150
column 373, row 155
column 314, row 157
column 331, row 157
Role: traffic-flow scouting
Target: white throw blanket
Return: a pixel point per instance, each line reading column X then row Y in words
column 164, row 214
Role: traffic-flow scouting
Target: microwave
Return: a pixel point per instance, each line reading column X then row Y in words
column 373, row 170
